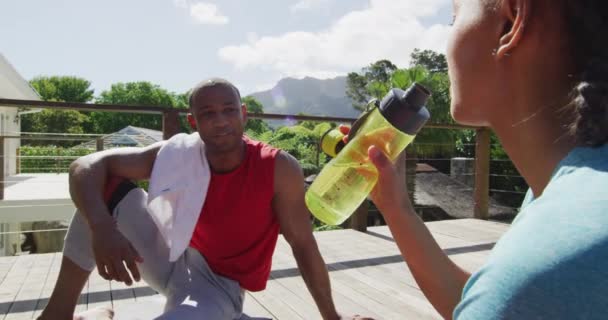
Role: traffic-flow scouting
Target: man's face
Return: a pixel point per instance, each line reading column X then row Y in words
column 220, row 118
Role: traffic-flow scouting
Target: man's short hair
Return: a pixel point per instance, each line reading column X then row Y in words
column 212, row 82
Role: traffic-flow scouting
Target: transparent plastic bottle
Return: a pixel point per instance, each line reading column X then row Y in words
column 346, row 180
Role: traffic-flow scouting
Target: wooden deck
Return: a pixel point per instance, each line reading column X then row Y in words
column 367, row 273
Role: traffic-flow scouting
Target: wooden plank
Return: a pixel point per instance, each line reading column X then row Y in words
column 406, row 300
column 141, row 290
column 395, row 299
column 283, row 260
column 470, row 233
column 40, row 274
column 299, row 303
column 345, row 299
column 49, row 284
column 8, row 291
column 99, row 292
column 275, row 305
column 471, row 230
column 253, row 309
column 121, row 293
column 368, row 277
column 343, row 304
column 145, row 308
column 24, row 301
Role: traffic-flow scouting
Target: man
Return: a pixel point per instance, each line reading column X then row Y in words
column 253, row 191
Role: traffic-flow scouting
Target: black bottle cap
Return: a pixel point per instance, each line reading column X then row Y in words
column 405, row 109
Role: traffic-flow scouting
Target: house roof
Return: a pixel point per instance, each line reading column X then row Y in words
column 12, row 84
column 129, row 136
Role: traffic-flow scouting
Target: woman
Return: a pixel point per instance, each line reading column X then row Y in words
column 536, row 72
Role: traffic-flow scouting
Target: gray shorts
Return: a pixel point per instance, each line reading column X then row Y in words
column 193, row 291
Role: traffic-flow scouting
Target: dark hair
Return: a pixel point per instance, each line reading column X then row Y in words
column 212, row 82
column 587, row 22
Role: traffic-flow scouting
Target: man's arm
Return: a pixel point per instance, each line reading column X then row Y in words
column 88, row 176
column 294, row 219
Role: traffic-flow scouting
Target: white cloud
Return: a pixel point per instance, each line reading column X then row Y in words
column 387, row 29
column 307, row 4
column 181, row 3
column 203, row 12
column 207, row 13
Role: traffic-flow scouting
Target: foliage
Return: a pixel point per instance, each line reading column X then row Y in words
column 48, row 159
column 72, row 89
column 64, row 89
column 299, row 141
column 134, row 93
column 356, row 83
column 255, row 126
column 54, row 121
column 429, row 59
column 429, row 142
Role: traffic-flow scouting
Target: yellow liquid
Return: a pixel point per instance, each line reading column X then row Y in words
column 345, row 181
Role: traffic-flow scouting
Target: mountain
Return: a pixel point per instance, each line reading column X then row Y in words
column 309, row 96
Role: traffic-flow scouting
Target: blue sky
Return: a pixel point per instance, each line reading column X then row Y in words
column 176, row 43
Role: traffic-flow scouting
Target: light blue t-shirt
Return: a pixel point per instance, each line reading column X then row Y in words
column 553, row 261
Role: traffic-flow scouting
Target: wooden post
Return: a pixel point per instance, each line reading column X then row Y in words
column 18, row 161
column 99, row 144
column 170, row 123
column 2, row 163
column 482, row 173
column 358, row 221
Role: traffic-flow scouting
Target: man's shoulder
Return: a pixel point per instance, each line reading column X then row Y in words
column 285, row 162
column 262, row 149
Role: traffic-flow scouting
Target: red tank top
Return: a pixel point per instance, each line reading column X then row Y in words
column 237, row 230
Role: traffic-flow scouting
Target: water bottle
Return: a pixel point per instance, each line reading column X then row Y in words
column 346, row 180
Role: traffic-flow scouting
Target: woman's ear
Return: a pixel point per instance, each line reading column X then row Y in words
column 516, row 14
column 191, row 121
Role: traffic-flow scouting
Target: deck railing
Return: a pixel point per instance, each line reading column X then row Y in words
column 171, row 126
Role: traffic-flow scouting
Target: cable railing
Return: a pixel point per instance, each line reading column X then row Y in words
column 472, row 188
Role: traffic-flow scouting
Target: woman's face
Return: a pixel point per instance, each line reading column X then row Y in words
column 472, row 65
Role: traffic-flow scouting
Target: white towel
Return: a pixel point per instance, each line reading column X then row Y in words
column 178, row 187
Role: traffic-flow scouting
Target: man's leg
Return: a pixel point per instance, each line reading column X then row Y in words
column 136, row 225
column 195, row 292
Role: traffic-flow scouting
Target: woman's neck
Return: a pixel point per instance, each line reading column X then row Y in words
column 536, row 144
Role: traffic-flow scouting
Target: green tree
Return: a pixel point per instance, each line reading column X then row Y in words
column 356, row 83
column 255, row 127
column 134, row 93
column 63, row 89
column 431, row 60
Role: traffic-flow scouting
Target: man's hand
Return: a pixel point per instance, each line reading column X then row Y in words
column 112, row 252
